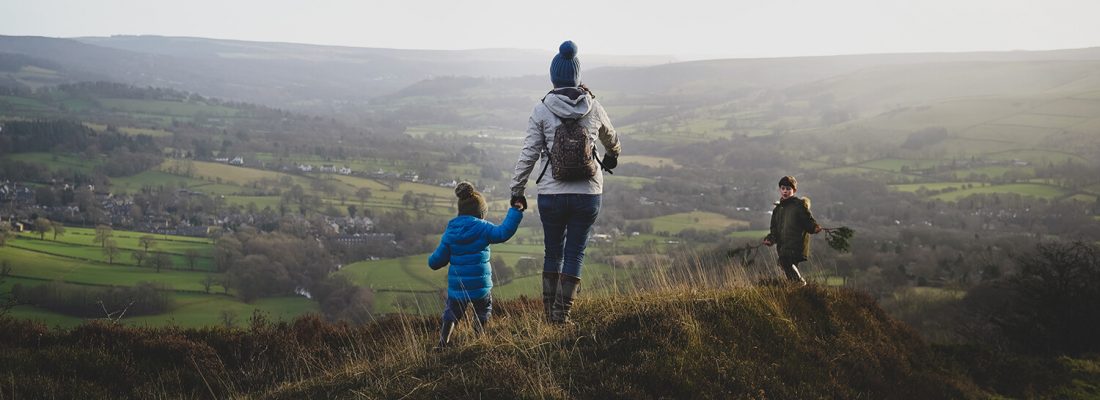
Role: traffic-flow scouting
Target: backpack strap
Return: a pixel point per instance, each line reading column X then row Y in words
column 544, row 167
column 598, row 161
column 547, row 164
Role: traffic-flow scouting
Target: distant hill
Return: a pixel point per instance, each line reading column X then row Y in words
column 286, row 75
column 782, row 72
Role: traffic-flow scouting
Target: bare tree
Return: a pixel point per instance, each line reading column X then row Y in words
column 162, row 260
column 103, row 233
column 5, row 233
column 140, row 257
column 192, row 255
column 7, row 300
column 58, row 229
column 207, row 282
column 363, row 194
column 110, row 249
column 229, row 318
column 41, row 226
column 147, row 241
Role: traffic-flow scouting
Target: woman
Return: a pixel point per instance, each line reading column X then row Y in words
column 564, row 127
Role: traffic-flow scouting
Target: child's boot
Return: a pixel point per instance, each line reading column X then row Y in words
column 793, row 276
column 549, row 292
column 563, row 302
column 445, row 335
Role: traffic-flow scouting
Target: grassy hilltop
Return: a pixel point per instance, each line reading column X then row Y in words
column 745, row 343
column 682, row 341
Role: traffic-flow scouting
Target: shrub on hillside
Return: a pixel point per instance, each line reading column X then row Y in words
column 96, row 302
column 1050, row 306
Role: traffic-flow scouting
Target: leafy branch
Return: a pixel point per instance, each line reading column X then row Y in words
column 839, row 238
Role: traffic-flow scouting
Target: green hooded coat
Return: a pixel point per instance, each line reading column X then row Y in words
column 791, row 227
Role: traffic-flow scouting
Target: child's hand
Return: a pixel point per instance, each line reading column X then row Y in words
column 519, row 202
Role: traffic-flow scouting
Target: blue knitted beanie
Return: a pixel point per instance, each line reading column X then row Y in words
column 565, row 70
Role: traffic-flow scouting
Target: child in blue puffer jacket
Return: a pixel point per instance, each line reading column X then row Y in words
column 465, row 245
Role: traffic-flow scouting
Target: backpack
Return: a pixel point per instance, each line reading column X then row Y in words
column 573, row 155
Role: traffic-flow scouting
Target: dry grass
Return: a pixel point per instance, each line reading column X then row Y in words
column 701, row 327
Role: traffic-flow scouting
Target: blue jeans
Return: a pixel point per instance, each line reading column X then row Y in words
column 456, row 309
column 566, row 222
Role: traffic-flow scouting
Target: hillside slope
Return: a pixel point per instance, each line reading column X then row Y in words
column 748, row 343
column 741, row 343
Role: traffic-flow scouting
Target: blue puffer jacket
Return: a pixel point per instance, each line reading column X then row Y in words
column 465, row 245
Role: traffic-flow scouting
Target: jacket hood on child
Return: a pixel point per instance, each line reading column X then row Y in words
column 465, row 246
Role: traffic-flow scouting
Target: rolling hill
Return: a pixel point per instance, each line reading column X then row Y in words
column 286, row 75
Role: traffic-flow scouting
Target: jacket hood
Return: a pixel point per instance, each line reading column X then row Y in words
column 463, row 229
column 570, row 102
column 804, row 200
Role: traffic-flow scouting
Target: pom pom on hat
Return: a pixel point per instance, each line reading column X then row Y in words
column 568, row 50
column 464, row 190
column 470, row 201
column 565, row 68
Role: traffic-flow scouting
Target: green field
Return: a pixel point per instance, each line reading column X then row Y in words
column 895, row 165
column 699, row 220
column 129, row 130
column 937, row 186
column 630, row 181
column 49, row 267
column 151, row 178
column 1034, row 156
column 757, row 234
column 650, row 161
column 167, row 108
column 1084, row 198
column 191, row 309
column 1026, row 189
column 129, row 240
column 22, row 104
column 196, row 310
column 231, row 173
column 57, row 162
column 94, row 253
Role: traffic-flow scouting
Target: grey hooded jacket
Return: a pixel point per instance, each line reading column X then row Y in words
column 545, row 118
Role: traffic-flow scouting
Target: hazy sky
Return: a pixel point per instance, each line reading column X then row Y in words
column 683, row 28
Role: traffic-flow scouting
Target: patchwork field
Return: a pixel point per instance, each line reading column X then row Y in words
column 650, row 161
column 699, row 220
column 1026, row 189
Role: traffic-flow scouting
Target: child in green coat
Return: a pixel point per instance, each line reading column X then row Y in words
column 791, row 227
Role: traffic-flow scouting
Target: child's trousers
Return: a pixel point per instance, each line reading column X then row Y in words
column 456, row 309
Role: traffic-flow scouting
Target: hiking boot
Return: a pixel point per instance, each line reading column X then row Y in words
column 549, row 292
column 445, row 335
column 793, row 276
column 563, row 302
